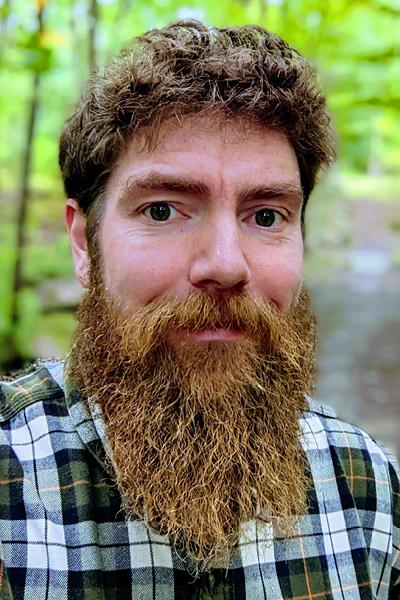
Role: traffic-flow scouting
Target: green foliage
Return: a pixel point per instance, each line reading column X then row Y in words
column 37, row 54
column 29, row 307
column 384, row 188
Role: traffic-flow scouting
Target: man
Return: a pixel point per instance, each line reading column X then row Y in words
column 176, row 452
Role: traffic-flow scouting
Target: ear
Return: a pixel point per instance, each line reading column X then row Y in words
column 76, row 223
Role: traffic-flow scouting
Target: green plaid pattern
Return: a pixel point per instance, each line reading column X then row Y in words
column 64, row 536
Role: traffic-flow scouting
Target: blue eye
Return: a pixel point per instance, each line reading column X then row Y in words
column 159, row 211
column 266, row 217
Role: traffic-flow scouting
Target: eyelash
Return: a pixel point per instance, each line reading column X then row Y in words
column 277, row 213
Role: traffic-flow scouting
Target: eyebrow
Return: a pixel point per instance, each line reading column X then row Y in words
column 282, row 190
column 155, row 182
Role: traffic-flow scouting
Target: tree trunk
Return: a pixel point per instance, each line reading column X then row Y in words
column 93, row 19
column 77, row 50
column 23, row 200
column 125, row 7
column 6, row 8
column 284, row 11
column 6, row 11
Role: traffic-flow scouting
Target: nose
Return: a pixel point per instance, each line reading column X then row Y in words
column 219, row 263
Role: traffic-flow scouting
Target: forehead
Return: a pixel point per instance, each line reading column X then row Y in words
column 224, row 152
column 198, row 127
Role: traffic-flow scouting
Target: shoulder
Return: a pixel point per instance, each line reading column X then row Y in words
column 40, row 385
column 364, row 461
column 323, row 426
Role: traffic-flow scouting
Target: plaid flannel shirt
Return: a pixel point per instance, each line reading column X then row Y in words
column 64, row 536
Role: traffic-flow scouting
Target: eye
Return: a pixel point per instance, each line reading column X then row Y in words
column 159, row 211
column 266, row 217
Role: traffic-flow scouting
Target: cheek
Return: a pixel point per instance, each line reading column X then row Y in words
column 139, row 272
column 281, row 276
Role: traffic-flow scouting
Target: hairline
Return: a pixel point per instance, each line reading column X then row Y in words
column 149, row 138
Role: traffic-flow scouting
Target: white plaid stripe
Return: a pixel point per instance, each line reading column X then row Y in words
column 148, row 548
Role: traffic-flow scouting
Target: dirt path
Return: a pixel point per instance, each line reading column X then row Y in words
column 358, row 310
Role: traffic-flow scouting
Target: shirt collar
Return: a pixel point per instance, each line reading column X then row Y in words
column 85, row 414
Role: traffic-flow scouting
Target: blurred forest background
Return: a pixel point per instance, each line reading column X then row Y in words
column 48, row 49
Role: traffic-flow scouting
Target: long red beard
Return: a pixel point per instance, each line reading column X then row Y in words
column 203, row 436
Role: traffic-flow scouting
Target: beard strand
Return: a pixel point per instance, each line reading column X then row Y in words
column 203, row 437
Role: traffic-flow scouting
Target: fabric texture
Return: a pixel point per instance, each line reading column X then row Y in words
column 64, row 535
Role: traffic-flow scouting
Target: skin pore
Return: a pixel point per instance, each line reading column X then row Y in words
column 194, row 336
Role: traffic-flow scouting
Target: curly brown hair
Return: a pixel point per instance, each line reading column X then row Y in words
column 189, row 68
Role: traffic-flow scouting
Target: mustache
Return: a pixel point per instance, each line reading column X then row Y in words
column 198, row 311
column 144, row 332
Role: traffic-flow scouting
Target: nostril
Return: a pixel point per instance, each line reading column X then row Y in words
column 213, row 288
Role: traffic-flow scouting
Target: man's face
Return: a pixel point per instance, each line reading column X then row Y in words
column 190, row 337
column 213, row 208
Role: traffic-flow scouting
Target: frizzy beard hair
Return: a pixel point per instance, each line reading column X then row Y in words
column 202, row 438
